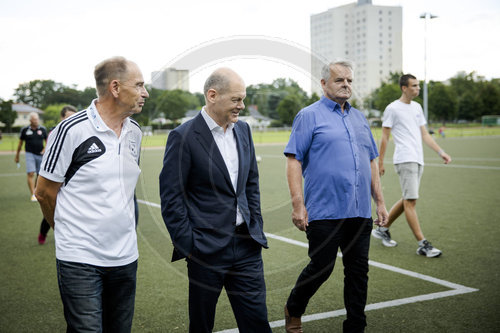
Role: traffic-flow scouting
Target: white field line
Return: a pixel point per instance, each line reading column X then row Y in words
column 452, row 165
column 463, row 166
column 456, row 289
column 12, row 174
column 147, row 203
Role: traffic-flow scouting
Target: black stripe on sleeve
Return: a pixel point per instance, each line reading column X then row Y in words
column 56, row 147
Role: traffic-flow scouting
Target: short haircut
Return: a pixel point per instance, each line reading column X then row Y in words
column 403, row 80
column 218, row 81
column 33, row 114
column 67, row 108
column 107, row 71
column 325, row 71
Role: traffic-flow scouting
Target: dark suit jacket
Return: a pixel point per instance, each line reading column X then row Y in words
column 198, row 202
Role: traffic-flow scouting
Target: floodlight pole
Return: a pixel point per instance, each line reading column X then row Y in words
column 426, row 16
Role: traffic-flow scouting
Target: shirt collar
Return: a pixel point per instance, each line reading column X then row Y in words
column 334, row 106
column 99, row 124
column 212, row 125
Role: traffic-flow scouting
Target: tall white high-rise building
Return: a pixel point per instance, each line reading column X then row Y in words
column 170, row 79
column 368, row 35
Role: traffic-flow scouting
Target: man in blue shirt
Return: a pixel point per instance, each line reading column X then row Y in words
column 332, row 147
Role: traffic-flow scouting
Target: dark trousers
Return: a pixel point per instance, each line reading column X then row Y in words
column 240, row 271
column 325, row 237
column 44, row 227
column 97, row 299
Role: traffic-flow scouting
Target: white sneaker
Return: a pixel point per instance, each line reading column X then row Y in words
column 385, row 236
column 428, row 250
column 33, row 198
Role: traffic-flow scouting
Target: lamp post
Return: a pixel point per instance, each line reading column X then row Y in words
column 426, row 16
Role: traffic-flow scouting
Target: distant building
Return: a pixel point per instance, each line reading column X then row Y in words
column 170, row 79
column 256, row 120
column 368, row 35
column 23, row 114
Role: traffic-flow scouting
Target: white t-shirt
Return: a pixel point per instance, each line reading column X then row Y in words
column 405, row 121
column 94, row 214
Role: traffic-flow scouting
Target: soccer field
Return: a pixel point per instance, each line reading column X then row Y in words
column 459, row 292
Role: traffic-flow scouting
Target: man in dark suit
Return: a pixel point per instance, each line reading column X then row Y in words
column 210, row 201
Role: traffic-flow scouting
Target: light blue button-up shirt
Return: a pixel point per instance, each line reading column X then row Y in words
column 335, row 150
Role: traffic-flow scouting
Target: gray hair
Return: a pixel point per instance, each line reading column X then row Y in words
column 325, row 71
column 218, row 81
column 109, row 70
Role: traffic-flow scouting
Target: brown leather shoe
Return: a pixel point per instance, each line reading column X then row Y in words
column 292, row 324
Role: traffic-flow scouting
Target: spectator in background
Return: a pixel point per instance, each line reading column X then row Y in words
column 35, row 137
column 441, row 132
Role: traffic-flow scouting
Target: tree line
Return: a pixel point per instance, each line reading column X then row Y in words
column 466, row 96
column 462, row 97
column 280, row 101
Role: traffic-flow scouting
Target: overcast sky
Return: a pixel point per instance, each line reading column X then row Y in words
column 63, row 40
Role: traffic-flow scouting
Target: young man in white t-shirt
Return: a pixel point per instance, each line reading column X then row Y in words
column 407, row 122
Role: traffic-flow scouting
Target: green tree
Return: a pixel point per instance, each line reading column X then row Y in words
column 37, row 93
column 52, row 115
column 489, row 93
column 467, row 106
column 150, row 109
column 86, row 96
column 288, row 108
column 314, row 98
column 173, row 104
column 267, row 97
column 442, row 102
column 42, row 93
column 7, row 114
column 384, row 95
column 201, row 98
column 72, row 96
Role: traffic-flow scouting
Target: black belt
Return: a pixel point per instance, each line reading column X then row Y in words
column 241, row 229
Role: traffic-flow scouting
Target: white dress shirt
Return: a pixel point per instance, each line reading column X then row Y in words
column 226, row 142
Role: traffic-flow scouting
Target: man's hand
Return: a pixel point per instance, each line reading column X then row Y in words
column 299, row 217
column 446, row 158
column 382, row 216
column 381, row 167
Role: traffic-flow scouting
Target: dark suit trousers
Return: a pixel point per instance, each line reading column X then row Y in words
column 239, row 269
column 325, row 237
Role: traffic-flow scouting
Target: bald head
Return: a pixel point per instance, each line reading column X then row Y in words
column 224, row 94
column 221, row 79
column 115, row 68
